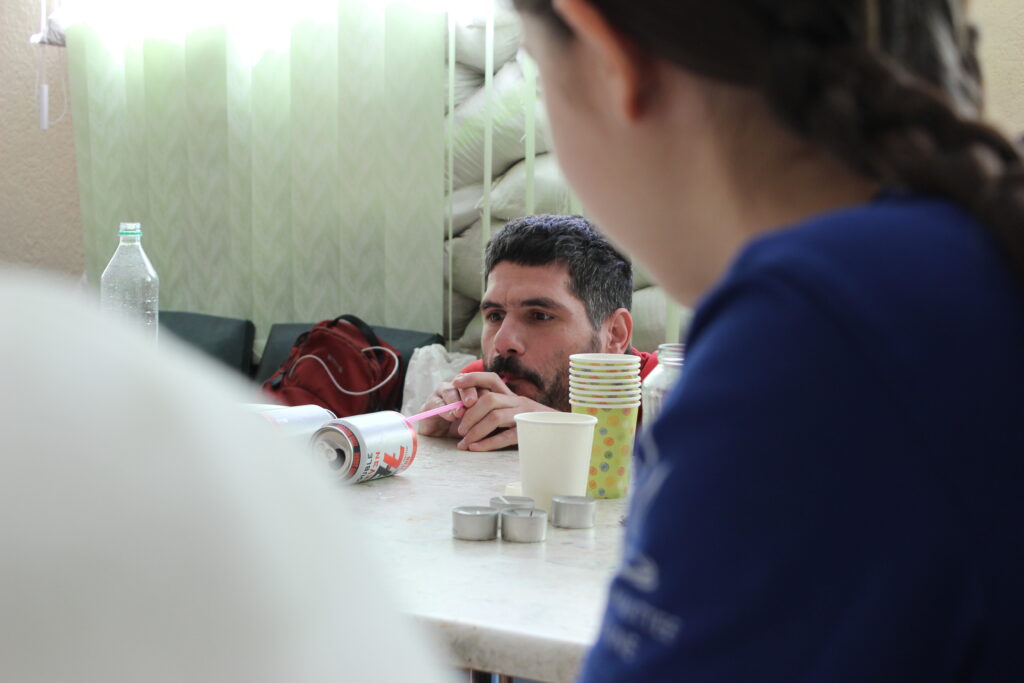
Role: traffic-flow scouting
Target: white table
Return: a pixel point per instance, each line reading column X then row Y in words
column 528, row 610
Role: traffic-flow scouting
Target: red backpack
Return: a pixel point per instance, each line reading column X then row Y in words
column 340, row 365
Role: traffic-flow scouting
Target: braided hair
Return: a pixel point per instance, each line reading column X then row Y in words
column 891, row 87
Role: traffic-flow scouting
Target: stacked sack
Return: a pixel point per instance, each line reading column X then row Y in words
column 508, row 168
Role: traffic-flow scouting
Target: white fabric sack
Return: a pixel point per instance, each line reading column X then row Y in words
column 465, row 274
column 469, row 342
column 641, row 278
column 508, row 112
column 465, row 207
column 650, row 307
column 463, row 310
column 551, row 192
column 467, row 81
column 471, row 39
column 468, row 259
column 428, row 367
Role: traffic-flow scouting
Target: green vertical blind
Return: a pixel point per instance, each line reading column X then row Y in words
column 294, row 164
column 284, row 174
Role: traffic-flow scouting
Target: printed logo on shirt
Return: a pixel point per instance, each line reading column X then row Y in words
column 633, row 620
column 641, row 573
column 650, row 621
column 639, row 570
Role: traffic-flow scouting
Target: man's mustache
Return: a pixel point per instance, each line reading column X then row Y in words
column 511, row 366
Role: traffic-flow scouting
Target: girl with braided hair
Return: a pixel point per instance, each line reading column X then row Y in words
column 833, row 492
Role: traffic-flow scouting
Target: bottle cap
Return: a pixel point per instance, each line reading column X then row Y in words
column 130, row 229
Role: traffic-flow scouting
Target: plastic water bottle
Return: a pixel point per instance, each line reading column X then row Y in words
column 129, row 285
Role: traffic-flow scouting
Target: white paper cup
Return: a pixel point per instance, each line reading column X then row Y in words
column 554, row 454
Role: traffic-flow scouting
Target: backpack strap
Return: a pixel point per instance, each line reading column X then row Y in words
column 330, row 375
column 364, row 329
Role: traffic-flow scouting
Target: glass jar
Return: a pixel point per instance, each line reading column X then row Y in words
column 661, row 380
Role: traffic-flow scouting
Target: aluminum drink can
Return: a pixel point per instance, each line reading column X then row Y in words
column 364, row 447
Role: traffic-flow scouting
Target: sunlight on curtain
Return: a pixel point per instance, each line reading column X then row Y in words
column 285, row 165
column 326, row 157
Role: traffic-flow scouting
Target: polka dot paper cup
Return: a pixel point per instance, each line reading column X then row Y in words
column 612, row 453
column 617, row 400
column 604, row 391
column 604, row 387
column 604, row 360
column 632, row 385
column 611, row 403
column 596, row 375
column 621, row 392
column 605, row 367
column 633, row 381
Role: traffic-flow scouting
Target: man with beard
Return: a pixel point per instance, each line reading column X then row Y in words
column 555, row 287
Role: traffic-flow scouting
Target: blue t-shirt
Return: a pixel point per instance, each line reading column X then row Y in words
column 835, row 489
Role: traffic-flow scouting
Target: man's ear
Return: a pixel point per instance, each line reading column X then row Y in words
column 618, row 329
column 625, row 68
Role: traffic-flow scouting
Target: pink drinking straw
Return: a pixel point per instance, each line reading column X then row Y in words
column 435, row 411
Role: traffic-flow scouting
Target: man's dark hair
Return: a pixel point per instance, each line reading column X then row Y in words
column 599, row 276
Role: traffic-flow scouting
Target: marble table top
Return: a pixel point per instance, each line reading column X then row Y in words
column 528, row 610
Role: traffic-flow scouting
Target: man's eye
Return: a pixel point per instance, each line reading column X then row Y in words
column 494, row 317
column 541, row 315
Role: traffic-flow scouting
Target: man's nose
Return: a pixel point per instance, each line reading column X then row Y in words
column 509, row 339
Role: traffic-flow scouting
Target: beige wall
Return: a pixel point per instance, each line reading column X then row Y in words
column 39, row 216
column 1002, row 52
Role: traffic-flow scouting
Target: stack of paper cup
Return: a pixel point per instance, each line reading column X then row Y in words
column 607, row 386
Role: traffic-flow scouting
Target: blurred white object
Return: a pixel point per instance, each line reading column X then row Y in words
column 192, row 547
column 294, row 422
column 428, row 367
